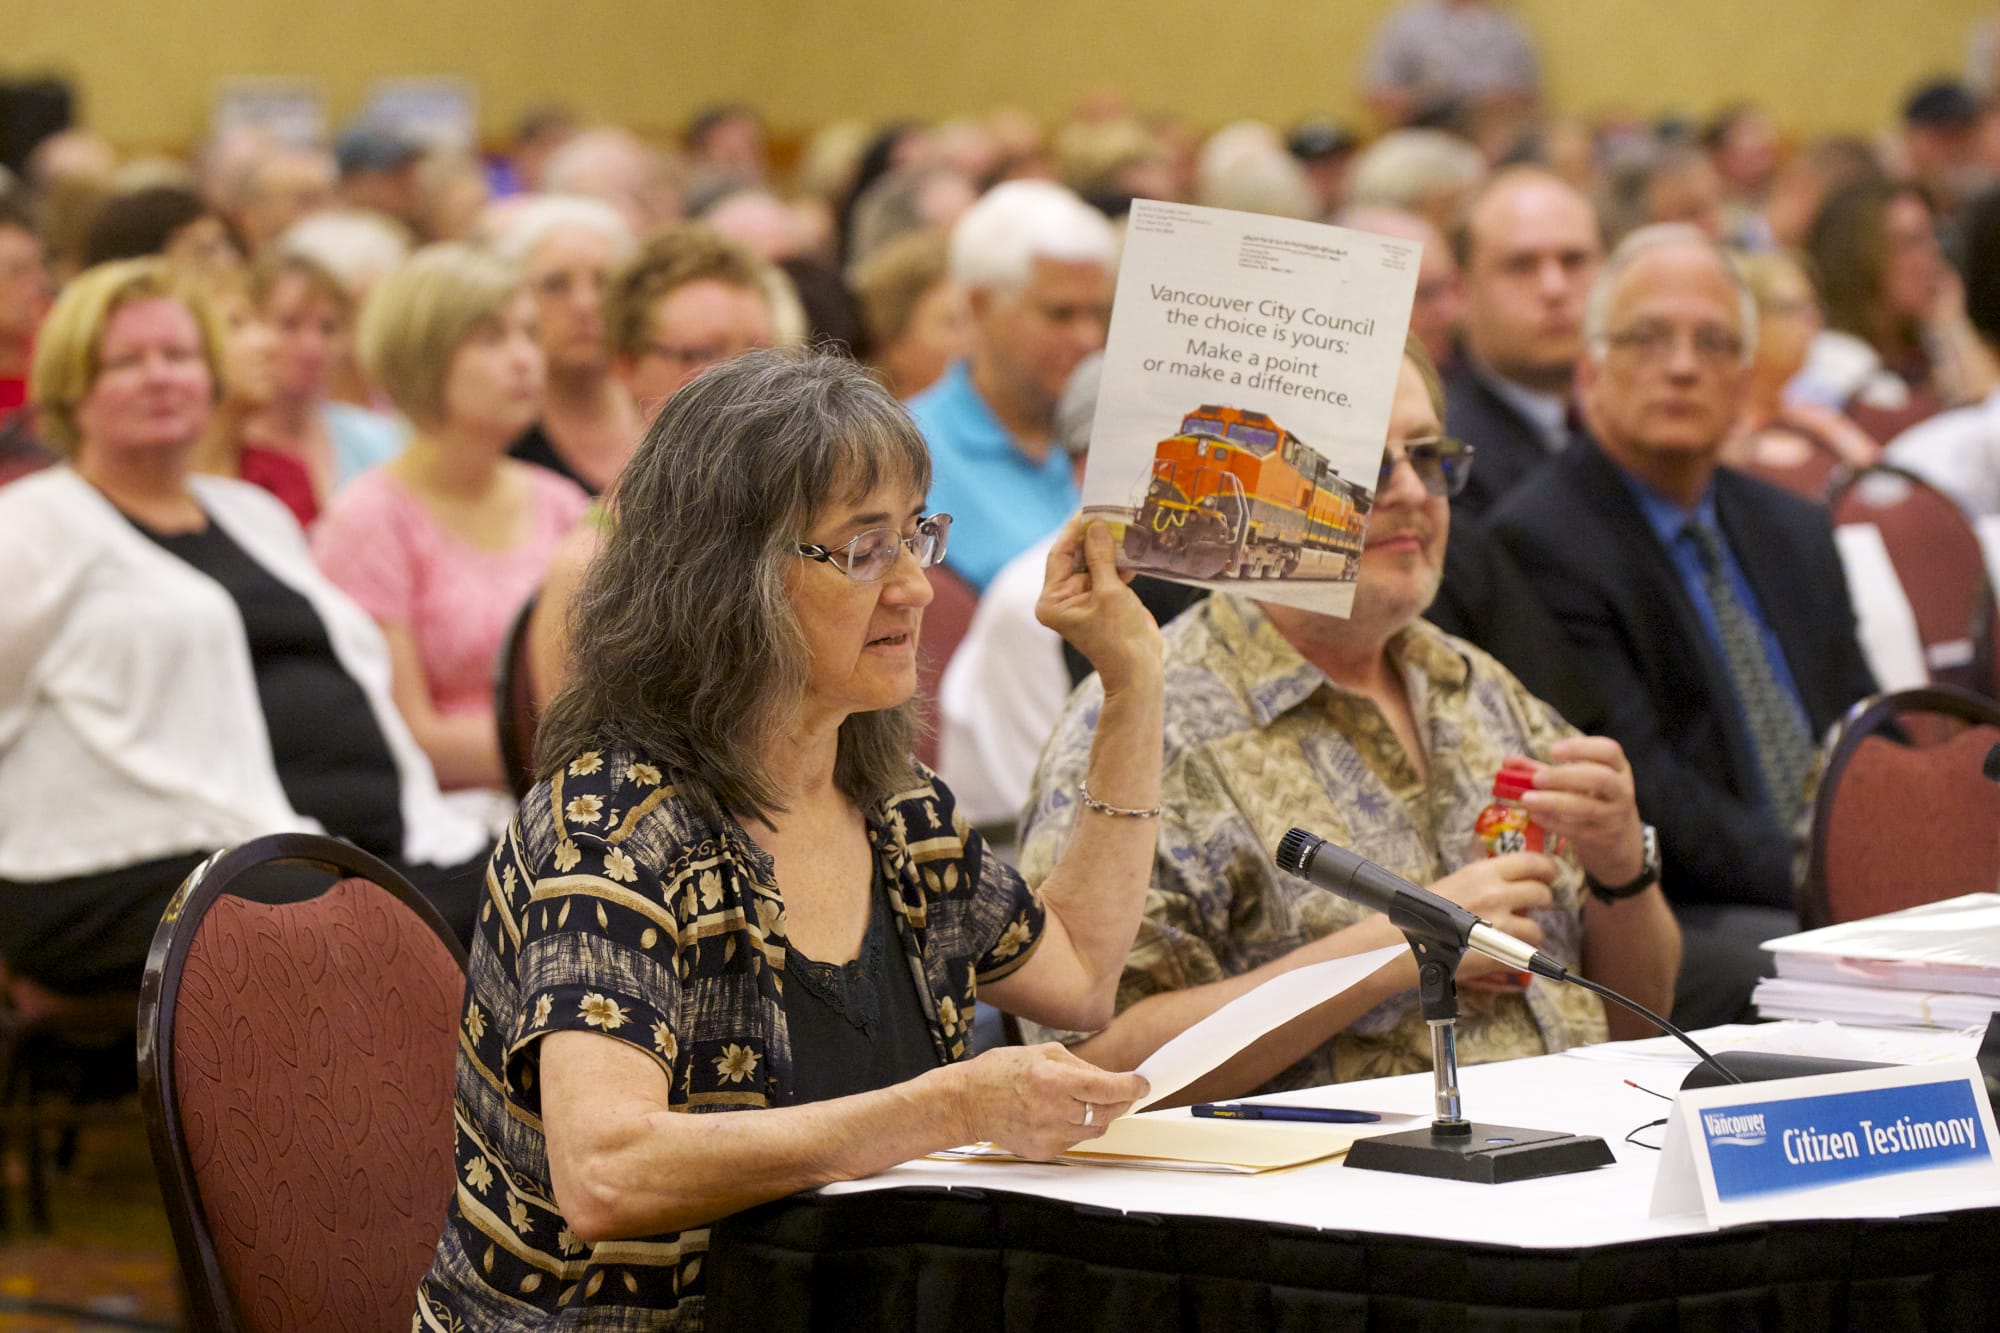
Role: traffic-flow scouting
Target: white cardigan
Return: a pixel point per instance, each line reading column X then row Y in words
column 130, row 727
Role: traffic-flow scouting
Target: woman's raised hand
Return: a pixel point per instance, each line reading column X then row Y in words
column 1038, row 1101
column 1085, row 598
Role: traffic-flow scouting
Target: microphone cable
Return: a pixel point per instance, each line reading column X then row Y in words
column 1662, row 1024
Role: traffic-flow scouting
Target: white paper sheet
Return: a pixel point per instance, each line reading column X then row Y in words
column 1250, row 369
column 1871, row 1006
column 1951, row 945
column 1248, row 1017
column 1884, row 622
column 1893, row 1046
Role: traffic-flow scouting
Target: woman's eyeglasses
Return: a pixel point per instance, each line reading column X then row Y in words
column 872, row 555
column 1441, row 463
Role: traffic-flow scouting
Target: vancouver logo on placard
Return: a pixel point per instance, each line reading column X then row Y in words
column 1741, row 1131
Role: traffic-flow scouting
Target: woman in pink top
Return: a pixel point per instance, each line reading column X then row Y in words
column 443, row 544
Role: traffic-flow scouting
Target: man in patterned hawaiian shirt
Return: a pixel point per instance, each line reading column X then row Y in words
column 1383, row 734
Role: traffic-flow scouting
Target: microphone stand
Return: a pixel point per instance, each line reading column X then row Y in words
column 1454, row 1148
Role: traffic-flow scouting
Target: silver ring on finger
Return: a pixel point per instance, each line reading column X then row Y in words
column 1089, row 1114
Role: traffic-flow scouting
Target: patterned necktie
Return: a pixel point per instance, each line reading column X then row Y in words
column 1777, row 732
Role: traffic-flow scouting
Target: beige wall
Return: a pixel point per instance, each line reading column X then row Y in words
column 147, row 68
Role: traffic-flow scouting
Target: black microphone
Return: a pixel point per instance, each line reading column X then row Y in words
column 1413, row 910
column 1420, row 912
column 1991, row 768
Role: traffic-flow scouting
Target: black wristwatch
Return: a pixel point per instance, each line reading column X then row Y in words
column 1648, row 876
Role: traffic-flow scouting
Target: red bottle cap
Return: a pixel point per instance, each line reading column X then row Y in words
column 1511, row 781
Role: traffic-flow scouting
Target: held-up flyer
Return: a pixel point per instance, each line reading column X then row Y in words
column 1247, row 384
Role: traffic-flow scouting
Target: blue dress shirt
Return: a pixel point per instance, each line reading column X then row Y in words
column 1669, row 523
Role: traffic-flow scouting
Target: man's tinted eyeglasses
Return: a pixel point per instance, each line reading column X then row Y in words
column 1653, row 341
column 872, row 554
column 1441, row 463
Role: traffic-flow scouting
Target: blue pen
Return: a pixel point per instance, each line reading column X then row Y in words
column 1323, row 1115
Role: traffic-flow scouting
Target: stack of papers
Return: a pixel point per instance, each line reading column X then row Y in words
column 1934, row 966
column 1819, row 1040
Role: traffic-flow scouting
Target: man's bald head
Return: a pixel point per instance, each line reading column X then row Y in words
column 1528, row 246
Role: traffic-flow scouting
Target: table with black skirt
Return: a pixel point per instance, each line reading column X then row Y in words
column 990, row 1246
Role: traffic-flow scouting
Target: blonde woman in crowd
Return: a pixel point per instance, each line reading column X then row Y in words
column 916, row 317
column 232, row 446
column 175, row 674
column 444, row 544
column 1777, row 436
column 311, row 314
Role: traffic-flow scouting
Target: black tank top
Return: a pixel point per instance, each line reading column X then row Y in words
column 860, row 1025
column 332, row 759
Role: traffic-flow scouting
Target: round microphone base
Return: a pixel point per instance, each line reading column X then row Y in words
column 1487, row 1155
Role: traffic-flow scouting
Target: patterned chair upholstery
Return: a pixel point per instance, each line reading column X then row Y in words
column 298, row 1036
column 1904, row 815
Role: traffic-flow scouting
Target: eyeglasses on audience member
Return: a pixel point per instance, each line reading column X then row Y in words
column 872, row 554
column 701, row 355
column 1441, row 463
column 1652, row 341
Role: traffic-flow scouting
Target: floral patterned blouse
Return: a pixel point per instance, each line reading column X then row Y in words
column 614, row 907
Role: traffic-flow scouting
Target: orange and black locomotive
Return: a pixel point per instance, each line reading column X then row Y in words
column 1234, row 495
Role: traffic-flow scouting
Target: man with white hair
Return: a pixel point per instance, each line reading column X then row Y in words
column 1711, row 606
column 568, row 249
column 1036, row 263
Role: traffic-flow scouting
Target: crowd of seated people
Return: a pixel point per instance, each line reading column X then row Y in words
column 443, row 542
column 291, row 436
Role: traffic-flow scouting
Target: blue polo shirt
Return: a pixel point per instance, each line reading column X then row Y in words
column 1000, row 500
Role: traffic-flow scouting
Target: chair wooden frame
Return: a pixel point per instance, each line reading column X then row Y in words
column 208, row 1291
column 1874, row 716
column 516, row 725
column 100, row 1022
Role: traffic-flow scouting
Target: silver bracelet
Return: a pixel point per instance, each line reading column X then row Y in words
column 1119, row 811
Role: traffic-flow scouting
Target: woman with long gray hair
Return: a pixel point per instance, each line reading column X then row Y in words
column 733, row 889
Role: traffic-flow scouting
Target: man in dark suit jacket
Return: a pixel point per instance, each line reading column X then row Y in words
column 1528, row 249
column 1710, row 608
column 1509, row 446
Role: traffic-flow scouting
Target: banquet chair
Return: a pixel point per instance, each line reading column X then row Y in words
column 298, row 1030
column 946, row 620
column 514, row 702
column 1938, row 560
column 1810, row 478
column 60, row 1066
column 1903, row 814
column 1797, row 461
